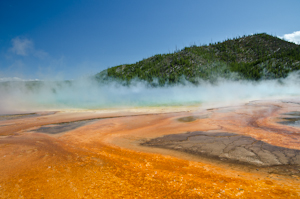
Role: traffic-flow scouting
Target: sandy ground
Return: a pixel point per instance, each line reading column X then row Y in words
column 99, row 153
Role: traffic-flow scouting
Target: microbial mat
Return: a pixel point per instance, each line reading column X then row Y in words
column 249, row 150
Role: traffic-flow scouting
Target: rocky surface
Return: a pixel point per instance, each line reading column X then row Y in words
column 229, row 147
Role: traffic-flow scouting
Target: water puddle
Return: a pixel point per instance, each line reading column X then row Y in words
column 62, row 127
column 291, row 119
column 17, row 116
column 24, row 115
column 192, row 118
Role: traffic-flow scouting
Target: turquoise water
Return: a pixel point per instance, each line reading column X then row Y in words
column 89, row 94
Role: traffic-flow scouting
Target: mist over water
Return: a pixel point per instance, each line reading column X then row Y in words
column 87, row 93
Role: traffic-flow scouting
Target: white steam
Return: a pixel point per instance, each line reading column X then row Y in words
column 89, row 94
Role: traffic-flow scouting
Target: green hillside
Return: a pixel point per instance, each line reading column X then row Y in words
column 254, row 57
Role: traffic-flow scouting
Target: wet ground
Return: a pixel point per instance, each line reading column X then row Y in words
column 17, row 116
column 192, row 118
column 291, row 119
column 240, row 151
column 61, row 127
column 23, row 115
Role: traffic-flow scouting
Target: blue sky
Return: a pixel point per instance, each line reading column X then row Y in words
column 68, row 39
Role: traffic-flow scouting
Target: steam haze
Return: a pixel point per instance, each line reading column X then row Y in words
column 87, row 93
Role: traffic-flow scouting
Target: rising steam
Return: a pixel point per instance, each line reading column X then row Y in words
column 87, row 93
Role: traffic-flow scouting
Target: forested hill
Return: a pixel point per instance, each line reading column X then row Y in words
column 254, row 57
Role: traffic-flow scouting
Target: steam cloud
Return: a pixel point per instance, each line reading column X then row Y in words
column 87, row 93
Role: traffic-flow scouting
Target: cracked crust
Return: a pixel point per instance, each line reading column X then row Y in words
column 229, row 147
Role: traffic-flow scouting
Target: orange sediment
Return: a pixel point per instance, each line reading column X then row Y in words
column 104, row 160
column 113, row 172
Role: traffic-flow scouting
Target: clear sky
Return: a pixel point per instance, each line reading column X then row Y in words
column 67, row 39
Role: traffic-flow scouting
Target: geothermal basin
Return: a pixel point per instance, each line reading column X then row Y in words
column 249, row 150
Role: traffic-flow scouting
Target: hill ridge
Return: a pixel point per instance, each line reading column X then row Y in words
column 253, row 57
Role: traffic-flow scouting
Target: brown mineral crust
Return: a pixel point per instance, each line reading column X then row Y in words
column 104, row 158
column 231, row 147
